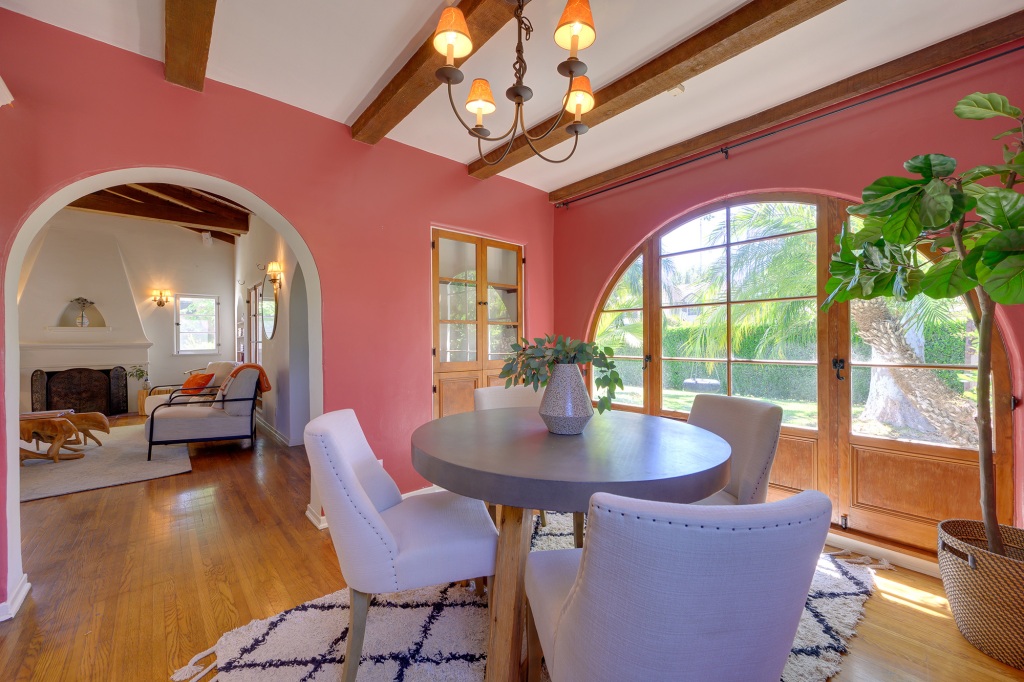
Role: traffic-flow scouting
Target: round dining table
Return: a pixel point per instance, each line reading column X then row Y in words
column 507, row 457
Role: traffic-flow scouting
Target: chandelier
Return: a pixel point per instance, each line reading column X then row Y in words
column 575, row 31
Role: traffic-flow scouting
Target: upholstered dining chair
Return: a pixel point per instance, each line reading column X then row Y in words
column 386, row 543
column 679, row 592
column 751, row 427
column 494, row 397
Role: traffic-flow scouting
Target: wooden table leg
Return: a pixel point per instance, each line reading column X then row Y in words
column 505, row 643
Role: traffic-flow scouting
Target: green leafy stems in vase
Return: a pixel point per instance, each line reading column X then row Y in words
column 531, row 364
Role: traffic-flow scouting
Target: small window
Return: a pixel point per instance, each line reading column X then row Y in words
column 195, row 324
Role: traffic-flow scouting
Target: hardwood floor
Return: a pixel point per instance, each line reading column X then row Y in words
column 129, row 582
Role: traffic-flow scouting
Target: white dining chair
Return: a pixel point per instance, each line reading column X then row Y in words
column 751, row 427
column 494, row 397
column 386, row 543
column 678, row 592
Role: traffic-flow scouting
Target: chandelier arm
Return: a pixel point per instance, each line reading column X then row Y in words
column 456, row 111
column 498, row 138
column 561, row 115
column 480, row 151
column 575, row 141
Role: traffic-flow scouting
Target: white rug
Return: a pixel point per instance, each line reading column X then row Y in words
column 121, row 459
column 439, row 633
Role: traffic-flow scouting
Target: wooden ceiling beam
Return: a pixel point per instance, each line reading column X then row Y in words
column 121, row 202
column 184, row 196
column 219, row 236
column 747, row 27
column 188, row 28
column 415, row 81
column 972, row 42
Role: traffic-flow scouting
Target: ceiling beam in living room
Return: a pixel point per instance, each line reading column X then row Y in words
column 219, row 236
column 958, row 47
column 193, row 199
column 188, row 28
column 124, row 200
column 747, row 27
column 415, row 81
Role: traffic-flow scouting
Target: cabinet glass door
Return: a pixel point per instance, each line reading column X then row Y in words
column 457, row 302
column 502, row 302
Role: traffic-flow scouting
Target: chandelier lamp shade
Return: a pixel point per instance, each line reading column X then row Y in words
column 575, row 31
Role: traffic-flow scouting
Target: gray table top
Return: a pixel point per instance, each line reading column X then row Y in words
column 507, row 456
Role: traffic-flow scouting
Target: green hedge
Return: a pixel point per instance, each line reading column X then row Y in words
column 944, row 343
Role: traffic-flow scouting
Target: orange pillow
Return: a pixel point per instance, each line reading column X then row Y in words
column 195, row 384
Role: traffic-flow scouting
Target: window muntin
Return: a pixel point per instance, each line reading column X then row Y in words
column 196, row 322
column 620, row 325
column 741, row 318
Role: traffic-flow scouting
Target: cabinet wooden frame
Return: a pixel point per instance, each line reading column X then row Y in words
column 486, row 369
column 832, row 458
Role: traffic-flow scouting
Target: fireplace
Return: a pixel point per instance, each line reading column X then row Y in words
column 81, row 389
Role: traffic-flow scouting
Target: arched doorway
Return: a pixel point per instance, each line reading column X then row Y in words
column 17, row 580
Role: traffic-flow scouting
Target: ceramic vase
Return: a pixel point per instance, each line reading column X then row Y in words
column 566, row 407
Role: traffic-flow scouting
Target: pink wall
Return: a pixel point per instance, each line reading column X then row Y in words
column 83, row 107
column 836, row 156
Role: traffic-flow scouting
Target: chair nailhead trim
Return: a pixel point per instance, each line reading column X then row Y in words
column 338, row 476
column 734, row 528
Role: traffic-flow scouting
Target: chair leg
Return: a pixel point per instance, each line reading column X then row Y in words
column 149, row 457
column 543, row 518
column 533, row 652
column 577, row 528
column 359, row 604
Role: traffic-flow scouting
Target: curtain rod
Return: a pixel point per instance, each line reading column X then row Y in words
column 724, row 151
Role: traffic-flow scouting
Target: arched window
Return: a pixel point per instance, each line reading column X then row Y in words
column 875, row 394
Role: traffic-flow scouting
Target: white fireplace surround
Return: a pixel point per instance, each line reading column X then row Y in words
column 62, row 266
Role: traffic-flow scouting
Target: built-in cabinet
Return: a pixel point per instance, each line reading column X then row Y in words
column 478, row 313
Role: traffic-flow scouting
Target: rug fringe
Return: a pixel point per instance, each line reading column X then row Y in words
column 193, row 672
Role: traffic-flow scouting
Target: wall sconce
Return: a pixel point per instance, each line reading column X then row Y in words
column 161, row 297
column 5, row 95
column 274, row 273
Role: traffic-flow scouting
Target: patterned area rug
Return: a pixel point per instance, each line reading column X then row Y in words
column 121, row 459
column 440, row 633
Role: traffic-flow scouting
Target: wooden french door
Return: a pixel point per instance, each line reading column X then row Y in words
column 729, row 301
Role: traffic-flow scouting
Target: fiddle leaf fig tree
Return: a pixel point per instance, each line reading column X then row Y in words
column 941, row 234
column 530, row 364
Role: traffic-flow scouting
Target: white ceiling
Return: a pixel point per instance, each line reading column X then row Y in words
column 331, row 57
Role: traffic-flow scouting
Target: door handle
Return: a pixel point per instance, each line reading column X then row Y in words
column 839, row 364
column 647, row 361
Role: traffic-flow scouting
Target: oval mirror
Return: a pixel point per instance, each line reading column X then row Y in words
column 268, row 311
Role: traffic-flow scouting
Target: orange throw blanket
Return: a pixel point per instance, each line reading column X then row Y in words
column 264, row 382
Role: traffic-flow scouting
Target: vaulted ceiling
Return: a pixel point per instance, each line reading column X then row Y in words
column 744, row 65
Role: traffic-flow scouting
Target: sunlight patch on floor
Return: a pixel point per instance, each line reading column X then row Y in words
column 910, row 597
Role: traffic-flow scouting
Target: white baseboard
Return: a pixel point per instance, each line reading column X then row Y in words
column 428, row 489
column 272, row 432
column 9, row 608
column 892, row 556
column 317, row 519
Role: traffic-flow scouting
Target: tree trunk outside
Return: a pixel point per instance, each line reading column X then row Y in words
column 923, row 394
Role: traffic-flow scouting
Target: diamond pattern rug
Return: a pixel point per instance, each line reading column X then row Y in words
column 440, row 633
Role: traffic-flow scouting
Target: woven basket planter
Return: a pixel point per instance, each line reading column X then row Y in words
column 985, row 590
